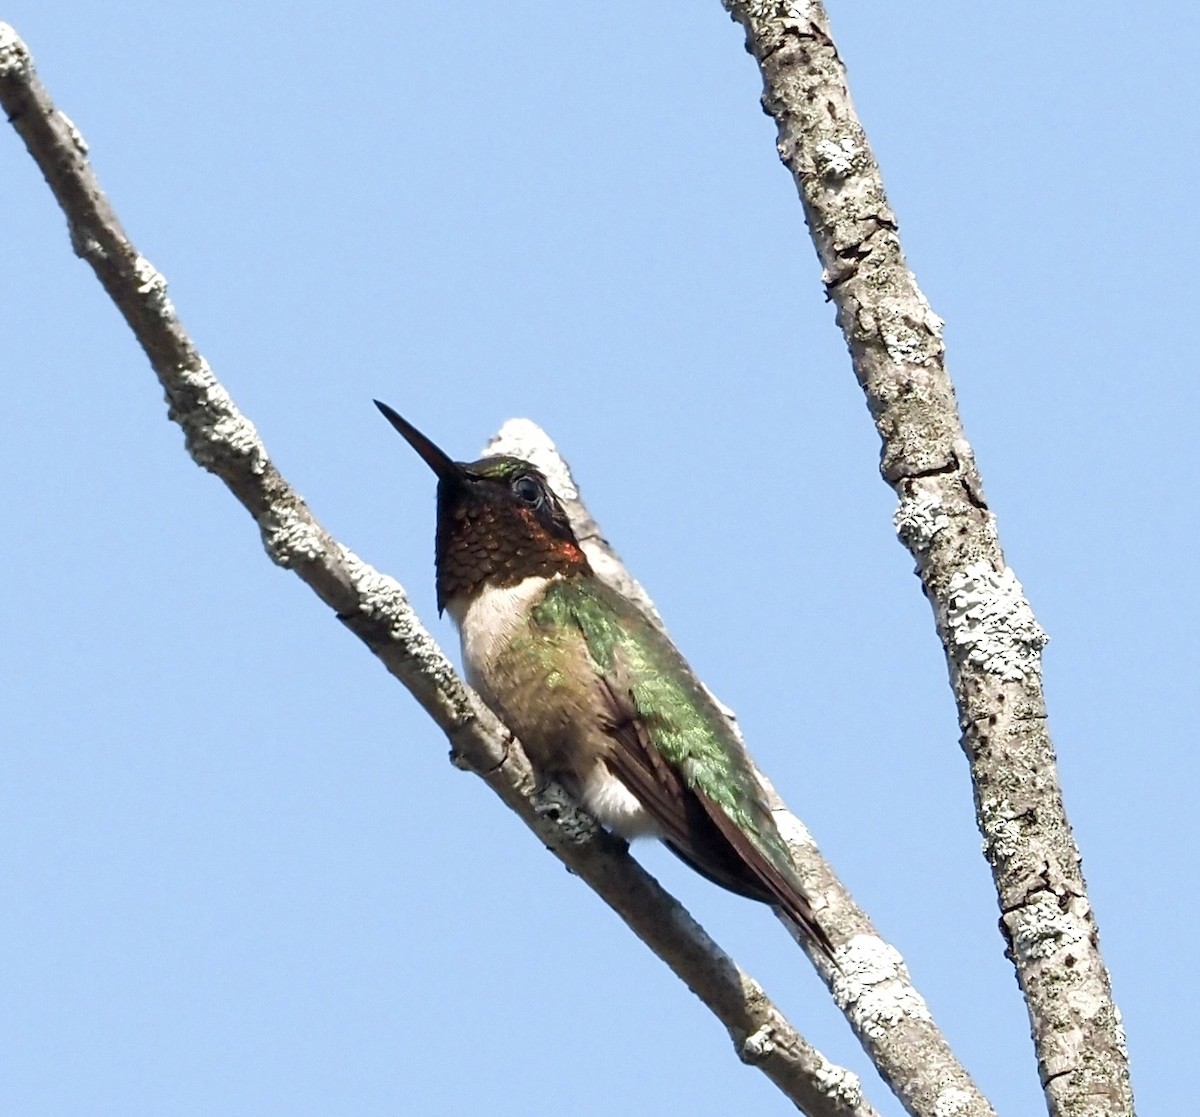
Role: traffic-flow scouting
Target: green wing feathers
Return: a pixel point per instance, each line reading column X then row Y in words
column 676, row 753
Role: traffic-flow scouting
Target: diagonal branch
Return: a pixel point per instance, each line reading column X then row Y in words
column 375, row 608
column 992, row 641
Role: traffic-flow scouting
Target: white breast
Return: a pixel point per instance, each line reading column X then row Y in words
column 487, row 623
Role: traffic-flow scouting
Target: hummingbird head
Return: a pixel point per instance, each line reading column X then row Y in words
column 498, row 521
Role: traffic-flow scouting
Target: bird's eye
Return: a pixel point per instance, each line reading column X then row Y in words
column 527, row 489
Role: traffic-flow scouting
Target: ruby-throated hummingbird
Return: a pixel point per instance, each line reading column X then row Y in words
column 599, row 697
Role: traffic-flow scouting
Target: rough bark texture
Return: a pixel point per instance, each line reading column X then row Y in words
column 376, row 609
column 993, row 642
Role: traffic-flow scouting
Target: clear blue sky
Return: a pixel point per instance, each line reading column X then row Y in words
column 239, row 876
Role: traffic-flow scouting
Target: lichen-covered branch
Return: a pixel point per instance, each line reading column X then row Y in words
column 993, row 643
column 376, row 609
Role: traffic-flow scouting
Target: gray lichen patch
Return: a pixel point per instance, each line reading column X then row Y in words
column 907, row 340
column 919, row 517
column 380, row 595
column 291, row 536
column 14, row 54
column 991, row 626
column 1001, row 828
column 152, row 285
column 951, row 1102
column 216, row 429
column 758, row 1045
column 870, row 987
column 770, row 11
column 1041, row 929
column 839, row 1084
column 834, row 156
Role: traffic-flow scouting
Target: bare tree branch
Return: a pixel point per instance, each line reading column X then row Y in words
column 992, row 641
column 375, row 608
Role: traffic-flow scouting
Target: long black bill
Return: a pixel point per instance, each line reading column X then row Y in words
column 437, row 459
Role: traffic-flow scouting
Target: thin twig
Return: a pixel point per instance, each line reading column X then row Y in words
column 375, row 608
column 992, row 641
